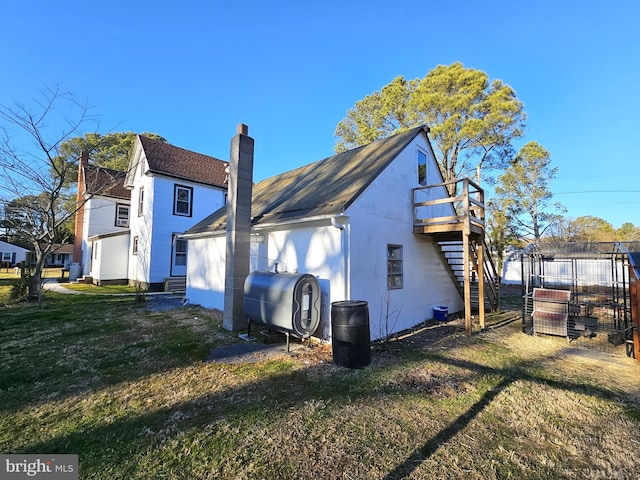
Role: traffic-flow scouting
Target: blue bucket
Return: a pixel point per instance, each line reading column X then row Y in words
column 440, row 313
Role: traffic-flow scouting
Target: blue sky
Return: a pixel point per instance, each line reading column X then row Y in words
column 192, row 70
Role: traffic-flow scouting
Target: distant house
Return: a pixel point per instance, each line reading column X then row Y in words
column 350, row 220
column 60, row 257
column 11, row 255
column 130, row 231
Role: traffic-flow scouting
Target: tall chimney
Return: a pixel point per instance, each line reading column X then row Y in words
column 80, row 199
column 239, row 192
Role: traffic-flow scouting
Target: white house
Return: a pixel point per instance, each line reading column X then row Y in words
column 60, row 256
column 349, row 220
column 171, row 189
column 11, row 255
column 104, row 206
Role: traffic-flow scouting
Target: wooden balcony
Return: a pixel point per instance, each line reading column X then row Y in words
column 456, row 222
column 436, row 212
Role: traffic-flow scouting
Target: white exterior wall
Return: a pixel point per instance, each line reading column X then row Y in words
column 383, row 215
column 350, row 263
column 206, row 269
column 110, row 260
column 140, row 226
column 19, row 252
column 155, row 228
column 314, row 248
column 99, row 218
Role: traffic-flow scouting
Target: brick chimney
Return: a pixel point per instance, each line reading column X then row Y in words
column 239, row 193
column 80, row 199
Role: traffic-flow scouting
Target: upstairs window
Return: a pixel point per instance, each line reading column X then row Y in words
column 122, row 215
column 394, row 267
column 140, row 202
column 422, row 168
column 182, row 200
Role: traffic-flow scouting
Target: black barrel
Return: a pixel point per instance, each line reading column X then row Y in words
column 350, row 338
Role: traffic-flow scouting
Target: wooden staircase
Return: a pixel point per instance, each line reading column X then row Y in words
column 175, row 284
column 452, row 253
column 456, row 224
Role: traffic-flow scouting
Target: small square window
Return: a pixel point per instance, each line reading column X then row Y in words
column 394, row 267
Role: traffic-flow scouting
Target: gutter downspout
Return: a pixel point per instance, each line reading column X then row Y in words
column 340, row 222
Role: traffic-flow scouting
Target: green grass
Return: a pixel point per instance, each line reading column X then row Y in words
column 127, row 389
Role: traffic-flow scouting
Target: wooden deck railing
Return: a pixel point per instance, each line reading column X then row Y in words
column 435, row 211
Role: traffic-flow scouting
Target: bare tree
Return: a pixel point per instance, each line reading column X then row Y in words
column 33, row 187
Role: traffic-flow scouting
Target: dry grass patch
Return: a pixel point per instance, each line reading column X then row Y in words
column 127, row 388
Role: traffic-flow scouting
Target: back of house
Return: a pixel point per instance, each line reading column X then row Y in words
column 348, row 220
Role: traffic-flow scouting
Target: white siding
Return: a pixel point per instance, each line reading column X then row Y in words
column 350, row 263
column 383, row 215
column 206, row 269
column 110, row 261
column 99, row 218
column 155, row 228
column 141, row 228
column 19, row 253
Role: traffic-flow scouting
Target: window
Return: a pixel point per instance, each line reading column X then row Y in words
column 422, row 168
column 135, row 245
column 394, row 267
column 140, row 201
column 6, row 256
column 181, row 252
column 182, row 200
column 122, row 215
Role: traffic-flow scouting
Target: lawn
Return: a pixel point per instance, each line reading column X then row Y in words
column 127, row 388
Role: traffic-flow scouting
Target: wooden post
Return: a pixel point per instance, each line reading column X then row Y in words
column 481, row 281
column 466, row 245
column 635, row 310
column 467, row 281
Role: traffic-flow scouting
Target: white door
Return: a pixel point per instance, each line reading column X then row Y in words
column 178, row 257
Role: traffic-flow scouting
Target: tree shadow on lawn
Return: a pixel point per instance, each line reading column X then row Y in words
column 100, row 446
column 83, row 343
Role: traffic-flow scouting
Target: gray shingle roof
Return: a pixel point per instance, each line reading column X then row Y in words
column 164, row 158
column 326, row 187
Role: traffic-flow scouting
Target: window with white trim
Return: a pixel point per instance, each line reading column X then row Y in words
column 182, row 200
column 394, row 267
column 181, row 252
column 140, row 201
column 122, row 215
column 134, row 250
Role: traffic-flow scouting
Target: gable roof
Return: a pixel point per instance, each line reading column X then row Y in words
column 106, row 182
column 325, row 187
column 166, row 159
column 4, row 244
